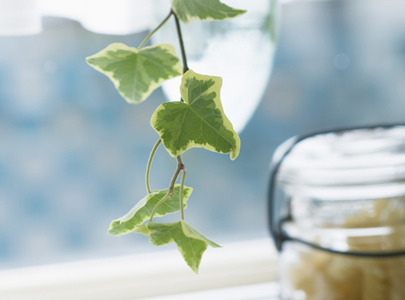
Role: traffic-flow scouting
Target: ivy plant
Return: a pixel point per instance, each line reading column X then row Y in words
column 197, row 120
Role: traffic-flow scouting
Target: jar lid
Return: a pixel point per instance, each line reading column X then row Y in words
column 353, row 164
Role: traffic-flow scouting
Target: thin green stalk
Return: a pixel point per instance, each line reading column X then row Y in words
column 154, row 30
column 152, row 154
column 170, row 192
column 157, row 206
column 180, row 163
column 180, row 166
column 183, row 176
column 183, row 51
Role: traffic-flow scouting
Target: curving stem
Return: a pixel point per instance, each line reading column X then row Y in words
column 152, row 154
column 154, row 30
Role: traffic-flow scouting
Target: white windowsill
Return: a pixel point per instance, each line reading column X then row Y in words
column 257, row 291
column 144, row 275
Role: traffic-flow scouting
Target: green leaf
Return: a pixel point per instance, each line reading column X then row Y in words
column 142, row 229
column 142, row 210
column 191, row 243
column 137, row 73
column 189, row 10
column 199, row 121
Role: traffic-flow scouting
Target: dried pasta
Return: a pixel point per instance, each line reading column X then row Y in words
column 319, row 275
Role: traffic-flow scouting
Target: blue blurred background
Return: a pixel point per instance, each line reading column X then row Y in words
column 73, row 153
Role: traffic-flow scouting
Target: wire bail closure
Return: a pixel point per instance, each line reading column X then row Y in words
column 275, row 221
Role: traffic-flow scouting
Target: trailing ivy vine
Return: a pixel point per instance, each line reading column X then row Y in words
column 197, row 120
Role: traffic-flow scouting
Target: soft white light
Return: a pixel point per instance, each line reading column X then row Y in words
column 19, row 17
column 118, row 17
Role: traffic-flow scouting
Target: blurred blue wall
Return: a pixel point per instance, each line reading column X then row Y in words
column 73, row 153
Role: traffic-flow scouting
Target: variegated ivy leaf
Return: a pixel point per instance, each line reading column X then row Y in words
column 137, row 73
column 189, row 10
column 199, row 121
column 141, row 212
column 191, row 243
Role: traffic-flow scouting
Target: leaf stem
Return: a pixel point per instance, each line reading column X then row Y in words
column 152, row 154
column 180, row 166
column 183, row 176
column 154, row 30
column 183, row 51
column 180, row 163
column 170, row 192
column 157, row 206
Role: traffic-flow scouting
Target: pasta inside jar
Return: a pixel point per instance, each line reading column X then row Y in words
column 313, row 274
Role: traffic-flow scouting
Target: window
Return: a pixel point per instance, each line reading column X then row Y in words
column 73, row 153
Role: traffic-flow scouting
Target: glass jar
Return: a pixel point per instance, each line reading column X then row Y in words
column 240, row 50
column 340, row 227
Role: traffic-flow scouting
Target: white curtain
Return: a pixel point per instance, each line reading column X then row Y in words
column 23, row 17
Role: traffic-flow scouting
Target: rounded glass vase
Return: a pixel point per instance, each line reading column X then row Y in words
column 342, row 218
column 240, row 50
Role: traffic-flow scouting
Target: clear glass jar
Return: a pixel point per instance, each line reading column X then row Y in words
column 240, row 50
column 342, row 218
